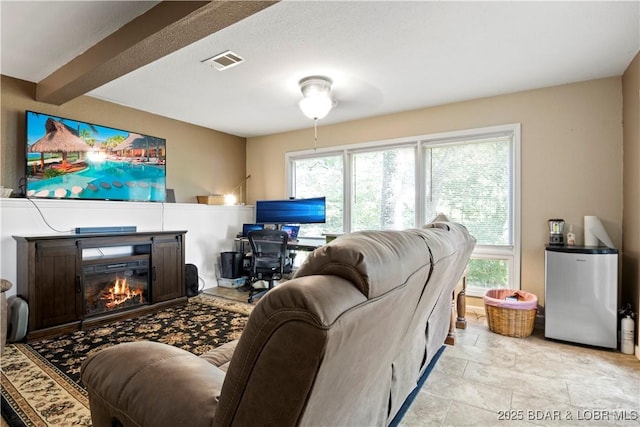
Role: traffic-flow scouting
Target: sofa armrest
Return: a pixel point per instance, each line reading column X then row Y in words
column 151, row 384
column 221, row 356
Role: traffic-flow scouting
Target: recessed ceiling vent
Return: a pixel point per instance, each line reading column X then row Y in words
column 224, row 60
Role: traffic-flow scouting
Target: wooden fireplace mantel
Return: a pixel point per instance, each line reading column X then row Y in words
column 49, row 276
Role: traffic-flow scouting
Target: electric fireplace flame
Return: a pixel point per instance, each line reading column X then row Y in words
column 120, row 293
column 106, row 292
column 115, row 286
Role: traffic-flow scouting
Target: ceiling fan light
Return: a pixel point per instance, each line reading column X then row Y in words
column 316, row 102
column 316, row 107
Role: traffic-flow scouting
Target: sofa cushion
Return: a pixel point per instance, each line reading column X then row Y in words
column 151, row 384
column 374, row 261
column 445, row 239
column 221, row 356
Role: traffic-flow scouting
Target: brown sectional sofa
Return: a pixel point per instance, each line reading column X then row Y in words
column 342, row 343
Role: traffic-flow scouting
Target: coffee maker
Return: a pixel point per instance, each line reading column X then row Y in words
column 556, row 232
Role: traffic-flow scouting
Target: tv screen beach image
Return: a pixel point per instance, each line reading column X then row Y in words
column 70, row 159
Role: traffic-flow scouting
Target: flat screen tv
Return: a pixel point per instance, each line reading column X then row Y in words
column 291, row 211
column 70, row 159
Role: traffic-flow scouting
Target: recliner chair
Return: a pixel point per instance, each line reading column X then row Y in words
column 269, row 259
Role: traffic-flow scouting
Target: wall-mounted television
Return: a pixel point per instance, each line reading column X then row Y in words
column 71, row 159
column 291, row 211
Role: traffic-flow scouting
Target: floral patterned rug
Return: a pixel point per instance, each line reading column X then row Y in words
column 41, row 379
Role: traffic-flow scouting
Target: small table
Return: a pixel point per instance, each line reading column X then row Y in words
column 459, row 306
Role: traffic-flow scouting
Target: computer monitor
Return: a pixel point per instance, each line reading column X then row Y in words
column 291, row 230
column 291, row 211
column 246, row 228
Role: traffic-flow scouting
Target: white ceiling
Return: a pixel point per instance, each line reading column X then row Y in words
column 383, row 56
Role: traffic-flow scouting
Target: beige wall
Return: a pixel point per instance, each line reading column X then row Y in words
column 571, row 155
column 199, row 160
column 572, row 142
column 631, row 168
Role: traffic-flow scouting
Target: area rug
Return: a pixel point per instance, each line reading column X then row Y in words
column 41, row 379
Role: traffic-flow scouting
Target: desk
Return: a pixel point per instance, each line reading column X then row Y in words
column 301, row 245
column 305, row 245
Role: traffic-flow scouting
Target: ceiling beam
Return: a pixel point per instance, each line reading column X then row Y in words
column 163, row 29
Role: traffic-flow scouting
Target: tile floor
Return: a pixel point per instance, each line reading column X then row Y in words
column 488, row 379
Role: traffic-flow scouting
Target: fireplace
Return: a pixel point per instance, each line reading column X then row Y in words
column 116, row 286
column 66, row 278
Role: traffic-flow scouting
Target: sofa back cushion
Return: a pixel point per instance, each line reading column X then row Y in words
column 374, row 261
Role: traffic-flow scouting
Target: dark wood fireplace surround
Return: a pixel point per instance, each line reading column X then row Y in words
column 50, row 276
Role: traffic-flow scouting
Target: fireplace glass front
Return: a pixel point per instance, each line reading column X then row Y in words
column 115, row 287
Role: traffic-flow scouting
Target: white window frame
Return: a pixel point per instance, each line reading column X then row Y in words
column 510, row 253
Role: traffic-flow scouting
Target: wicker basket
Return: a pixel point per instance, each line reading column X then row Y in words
column 515, row 320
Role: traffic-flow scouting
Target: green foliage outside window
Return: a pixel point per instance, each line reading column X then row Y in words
column 383, row 195
column 488, row 273
column 470, row 183
column 316, row 177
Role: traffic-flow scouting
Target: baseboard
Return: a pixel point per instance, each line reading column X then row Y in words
column 638, row 352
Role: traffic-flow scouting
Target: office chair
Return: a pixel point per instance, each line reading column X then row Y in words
column 269, row 259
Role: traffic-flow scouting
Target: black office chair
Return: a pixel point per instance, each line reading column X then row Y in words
column 269, row 259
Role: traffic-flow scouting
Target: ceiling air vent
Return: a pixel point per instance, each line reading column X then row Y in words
column 224, row 60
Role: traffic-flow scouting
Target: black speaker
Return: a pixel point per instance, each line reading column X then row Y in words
column 191, row 280
column 231, row 264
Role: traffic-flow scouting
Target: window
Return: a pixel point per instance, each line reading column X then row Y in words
column 321, row 176
column 471, row 176
column 471, row 181
column 383, row 194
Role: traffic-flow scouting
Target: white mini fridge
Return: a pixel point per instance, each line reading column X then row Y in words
column 581, row 295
